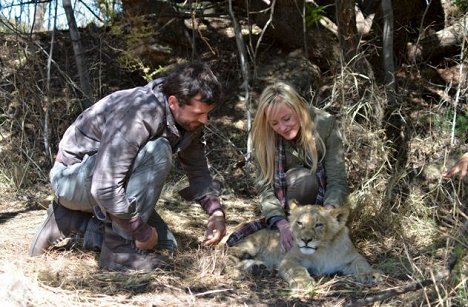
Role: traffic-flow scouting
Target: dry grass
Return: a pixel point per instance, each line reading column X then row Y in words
column 408, row 247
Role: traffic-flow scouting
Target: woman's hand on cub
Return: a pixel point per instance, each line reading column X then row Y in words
column 286, row 235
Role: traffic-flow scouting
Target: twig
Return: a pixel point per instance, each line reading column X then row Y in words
column 174, row 288
column 63, row 73
column 192, row 19
column 421, row 28
column 44, row 176
column 388, row 51
column 91, row 11
column 304, row 27
column 47, row 98
column 267, row 24
column 457, row 95
column 212, row 292
column 222, row 136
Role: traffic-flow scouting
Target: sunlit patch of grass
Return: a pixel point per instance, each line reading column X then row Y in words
column 421, row 230
column 418, row 222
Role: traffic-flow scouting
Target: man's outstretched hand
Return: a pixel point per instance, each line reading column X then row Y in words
column 216, row 228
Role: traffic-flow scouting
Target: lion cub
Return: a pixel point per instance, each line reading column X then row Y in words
column 322, row 247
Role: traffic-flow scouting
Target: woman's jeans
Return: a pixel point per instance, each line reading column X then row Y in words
column 72, row 184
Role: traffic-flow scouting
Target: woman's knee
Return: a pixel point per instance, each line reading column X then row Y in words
column 302, row 185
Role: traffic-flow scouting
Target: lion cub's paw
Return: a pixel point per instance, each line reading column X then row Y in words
column 247, row 267
column 370, row 277
column 259, row 270
column 254, row 267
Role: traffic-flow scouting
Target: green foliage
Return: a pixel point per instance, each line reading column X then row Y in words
column 445, row 122
column 134, row 31
column 108, row 8
column 313, row 13
column 461, row 124
column 148, row 73
column 462, row 5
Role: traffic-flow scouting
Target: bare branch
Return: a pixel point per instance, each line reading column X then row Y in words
column 245, row 69
column 79, row 57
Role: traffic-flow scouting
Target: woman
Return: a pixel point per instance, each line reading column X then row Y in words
column 300, row 155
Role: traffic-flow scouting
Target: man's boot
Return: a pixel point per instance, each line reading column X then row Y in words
column 59, row 224
column 118, row 253
column 166, row 240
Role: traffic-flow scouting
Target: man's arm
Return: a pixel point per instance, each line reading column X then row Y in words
column 202, row 189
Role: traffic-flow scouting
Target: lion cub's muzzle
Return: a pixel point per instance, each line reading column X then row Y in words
column 307, row 246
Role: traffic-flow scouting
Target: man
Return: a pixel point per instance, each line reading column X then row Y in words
column 114, row 159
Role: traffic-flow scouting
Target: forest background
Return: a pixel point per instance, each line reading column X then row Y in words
column 392, row 71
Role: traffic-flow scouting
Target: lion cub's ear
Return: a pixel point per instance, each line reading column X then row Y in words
column 340, row 214
column 293, row 204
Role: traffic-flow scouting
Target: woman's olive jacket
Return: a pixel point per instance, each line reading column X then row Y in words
column 332, row 162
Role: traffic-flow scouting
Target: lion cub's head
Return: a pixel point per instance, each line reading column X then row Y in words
column 314, row 226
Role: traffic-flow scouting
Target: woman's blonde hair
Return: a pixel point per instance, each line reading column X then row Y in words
column 264, row 139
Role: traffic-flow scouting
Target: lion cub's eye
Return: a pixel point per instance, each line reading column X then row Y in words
column 300, row 224
column 319, row 225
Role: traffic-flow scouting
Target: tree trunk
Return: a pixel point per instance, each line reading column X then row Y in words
column 79, row 57
column 389, row 67
column 349, row 38
column 347, row 31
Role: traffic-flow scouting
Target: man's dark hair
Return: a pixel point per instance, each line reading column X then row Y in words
column 188, row 80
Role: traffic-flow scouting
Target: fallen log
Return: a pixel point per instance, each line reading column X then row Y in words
column 443, row 43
